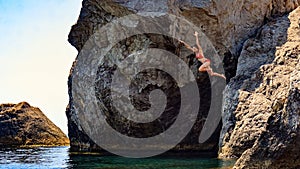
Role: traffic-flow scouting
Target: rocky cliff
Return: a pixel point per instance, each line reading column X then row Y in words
column 24, row 125
column 262, row 103
column 230, row 26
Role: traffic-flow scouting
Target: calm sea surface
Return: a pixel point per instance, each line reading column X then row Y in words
column 59, row 157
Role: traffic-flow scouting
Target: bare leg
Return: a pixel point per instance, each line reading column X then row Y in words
column 210, row 72
column 220, row 75
column 206, row 68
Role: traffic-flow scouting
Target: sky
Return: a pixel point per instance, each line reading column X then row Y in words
column 35, row 56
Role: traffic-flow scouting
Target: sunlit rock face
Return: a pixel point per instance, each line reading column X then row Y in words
column 227, row 24
column 24, row 125
column 262, row 103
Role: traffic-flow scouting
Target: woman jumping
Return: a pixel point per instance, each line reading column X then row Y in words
column 205, row 67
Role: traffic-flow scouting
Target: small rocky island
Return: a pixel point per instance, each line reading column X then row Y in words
column 24, row 125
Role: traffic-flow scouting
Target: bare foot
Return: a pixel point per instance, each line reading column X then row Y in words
column 223, row 76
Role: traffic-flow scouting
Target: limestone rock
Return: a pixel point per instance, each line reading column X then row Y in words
column 262, row 104
column 24, row 125
column 228, row 24
column 145, row 82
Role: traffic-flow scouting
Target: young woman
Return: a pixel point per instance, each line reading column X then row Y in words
column 205, row 67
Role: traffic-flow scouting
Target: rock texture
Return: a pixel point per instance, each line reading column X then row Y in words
column 24, row 125
column 262, row 105
column 228, row 24
column 108, row 10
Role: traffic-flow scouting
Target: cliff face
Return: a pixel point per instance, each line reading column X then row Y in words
column 228, row 24
column 98, row 13
column 262, row 103
column 23, row 125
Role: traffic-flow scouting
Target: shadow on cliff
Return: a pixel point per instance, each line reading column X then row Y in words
column 270, row 39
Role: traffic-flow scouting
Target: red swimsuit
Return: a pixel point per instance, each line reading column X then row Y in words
column 199, row 56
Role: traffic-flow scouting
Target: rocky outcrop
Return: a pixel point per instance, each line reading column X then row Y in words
column 228, row 24
column 24, row 125
column 262, row 105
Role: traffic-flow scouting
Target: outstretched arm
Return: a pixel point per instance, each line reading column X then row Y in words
column 198, row 43
column 186, row 45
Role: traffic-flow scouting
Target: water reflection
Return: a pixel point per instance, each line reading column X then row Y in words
column 59, row 157
column 43, row 157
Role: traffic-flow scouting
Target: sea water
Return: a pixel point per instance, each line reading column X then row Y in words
column 60, row 157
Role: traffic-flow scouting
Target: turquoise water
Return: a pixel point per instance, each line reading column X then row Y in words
column 59, row 157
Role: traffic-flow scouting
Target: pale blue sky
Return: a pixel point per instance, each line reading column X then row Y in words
column 35, row 57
